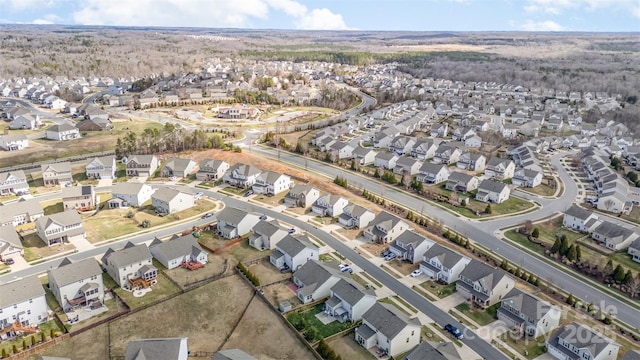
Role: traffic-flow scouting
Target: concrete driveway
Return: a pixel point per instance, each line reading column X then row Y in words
column 450, row 302
column 493, row 330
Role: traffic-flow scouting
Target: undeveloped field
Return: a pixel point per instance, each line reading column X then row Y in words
column 347, row 347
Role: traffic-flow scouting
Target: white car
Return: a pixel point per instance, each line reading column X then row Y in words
column 416, row 273
column 342, row 266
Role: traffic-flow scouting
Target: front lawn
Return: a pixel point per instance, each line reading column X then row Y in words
column 312, row 328
column 481, row 317
column 439, row 290
column 35, row 248
column 525, row 346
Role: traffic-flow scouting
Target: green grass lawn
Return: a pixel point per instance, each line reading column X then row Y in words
column 46, row 327
column 625, row 260
column 274, row 200
column 527, row 347
column 439, row 290
column 234, row 190
column 543, row 190
column 404, row 303
column 395, row 304
column 53, row 208
column 159, row 291
column 306, row 320
column 481, row 317
column 374, row 281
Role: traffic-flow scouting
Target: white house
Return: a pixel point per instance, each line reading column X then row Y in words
column 211, row 169
column 60, row 227
column 527, row 178
column 430, row 173
column 12, row 142
column 293, row 251
column 133, row 194
column 178, row 249
column 329, row 205
column 389, row 329
column 410, row 246
column 577, row 341
column 13, row 182
column 500, row 169
column 131, row 266
column 528, row 315
column 386, row 160
column 234, row 222
column 483, row 285
column 160, row 349
column 142, row 165
column 267, row 234
column 23, row 303
column 579, row 219
column 315, row 280
column 613, row 236
column 356, row 216
column 461, row 182
column 62, row 132
column 101, row 168
column 169, row 201
column 363, row 156
column 348, row 301
column 301, row 196
column 178, row 167
column 10, row 244
column 77, row 284
column 385, row 228
column 20, row 212
column 493, row 191
column 271, row 183
column 634, row 250
column 241, row 175
column 443, row 264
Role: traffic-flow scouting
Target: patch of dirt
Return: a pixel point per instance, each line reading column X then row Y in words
column 266, row 272
column 280, row 292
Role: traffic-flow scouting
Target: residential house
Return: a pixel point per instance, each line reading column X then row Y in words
column 431, row 350
column 386, row 160
column 341, row 150
column 267, row 234
column 577, row 341
column 613, row 236
column 169, row 200
column 293, row 251
column 177, row 167
column 142, row 165
column 329, row 205
column 363, row 156
column 348, row 301
column 471, row 161
column 634, row 250
column 385, row 228
column 430, row 173
column 62, row 132
column 271, row 183
column 23, row 302
column 178, row 249
column 446, row 154
column 500, row 169
column 527, row 178
column 157, row 349
column 131, row 266
column 440, row 130
column 509, row 131
column 528, row 315
column 81, row 197
column 356, row 217
column 384, row 137
column 389, row 329
column 461, row 182
column 95, row 124
column 493, row 191
column 20, row 212
column 56, row 174
column 10, row 244
column 13, row 182
column 483, row 285
column 424, row 149
column 407, row 165
column 473, row 142
column 77, row 284
column 25, row 122
column 401, row 145
column 233, row 222
column 410, row 246
column 315, row 280
column 463, row 133
column 101, row 168
column 232, row 354
column 130, row 194
column 60, row 227
column 301, row 196
column 211, row 169
column 13, row 142
column 241, row 175
column 443, row 264
column 579, row 219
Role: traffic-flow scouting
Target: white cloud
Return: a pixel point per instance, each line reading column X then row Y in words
column 542, row 26
column 556, row 7
column 20, row 5
column 200, row 13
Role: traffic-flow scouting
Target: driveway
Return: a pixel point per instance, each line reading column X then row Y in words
column 19, row 263
column 546, row 356
column 493, row 330
column 450, row 302
column 105, row 182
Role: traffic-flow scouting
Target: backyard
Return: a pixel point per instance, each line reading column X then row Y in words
column 239, row 252
column 313, row 329
column 45, row 328
column 525, row 346
column 162, row 289
column 347, row 347
column 184, row 277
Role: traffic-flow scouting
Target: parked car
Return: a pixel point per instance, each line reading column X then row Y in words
column 384, row 253
column 9, row 261
column 207, row 215
column 198, row 195
column 390, row 256
column 285, row 269
column 263, row 217
column 416, row 273
column 453, row 331
column 248, row 193
column 291, row 231
column 342, row 266
column 173, row 178
column 347, row 269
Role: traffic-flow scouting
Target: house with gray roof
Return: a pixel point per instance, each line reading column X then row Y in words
column 301, row 195
column 356, row 216
column 80, row 197
column 527, row 178
column 23, row 302
column 241, row 175
column 471, row 161
column 631, row 355
column 634, row 250
column 20, row 212
column 447, row 154
column 330, row 205
column 62, row 132
column 431, row 350
column 315, row 280
column 407, row 165
column 461, row 182
column 129, row 265
column 60, row 228
column 613, row 236
column 232, row 354
column 391, row 330
column 493, row 191
column 271, row 183
column 13, row 142
column 13, row 182
column 267, row 234
column 348, row 300
column 178, row 167
column 363, row 156
column 77, row 284
column 169, row 200
column 178, row 249
column 443, row 264
column 430, row 173
column 576, row 341
column 101, row 168
column 386, row 160
column 233, row 222
column 385, row 228
column 410, row 246
column 526, row 314
column 500, row 169
column 130, row 194
column 10, row 244
column 483, row 285
column 292, row 252
column 211, row 169
column 142, row 165
column 579, row 219
column 56, row 173
column 157, row 349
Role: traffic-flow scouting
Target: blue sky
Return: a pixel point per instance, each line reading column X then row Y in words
column 413, row 15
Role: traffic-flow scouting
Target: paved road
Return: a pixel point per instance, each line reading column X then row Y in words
column 43, row 114
column 484, row 232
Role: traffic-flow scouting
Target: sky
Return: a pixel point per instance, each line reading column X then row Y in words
column 390, row 15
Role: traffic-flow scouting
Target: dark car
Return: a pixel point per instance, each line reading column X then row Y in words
column 263, row 217
column 9, row 261
column 454, row 331
column 207, row 215
column 248, row 193
column 291, row 231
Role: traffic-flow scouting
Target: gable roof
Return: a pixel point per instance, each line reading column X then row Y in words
column 487, row 276
column 490, row 185
column 611, row 230
column 60, row 167
column 128, row 188
column 246, row 170
column 314, row 273
column 65, row 218
column 156, row 349
column 578, row 212
column 350, row 291
column 177, row 246
column 268, row 228
column 411, row 237
column 231, row 215
column 531, row 306
column 385, row 219
column 589, row 339
column 128, row 255
column 61, row 128
column 141, row 159
column 29, row 206
column 178, row 164
column 447, row 257
column 232, row 354
column 460, row 177
column 19, row 291
column 429, row 350
column 387, row 320
column 69, row 272
column 301, row 189
column 293, row 245
column 9, row 237
column 167, row 194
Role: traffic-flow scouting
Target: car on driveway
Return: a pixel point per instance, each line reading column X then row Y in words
column 291, row 231
column 416, row 273
column 248, row 193
column 173, row 178
column 390, row 256
column 347, row 269
column 9, row 261
column 263, row 217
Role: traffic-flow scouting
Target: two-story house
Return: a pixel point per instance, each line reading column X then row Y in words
column 386, row 160
column 363, row 156
column 161, row 349
column 493, row 191
column 330, row 205
column 13, row 142
column 60, row 228
column 62, row 132
column 81, row 197
column 141, row 165
column 500, row 169
column 576, row 342
column 430, row 173
column 348, row 301
column 461, row 182
column 178, row 249
column 424, row 149
column 13, row 182
column 356, row 216
column 634, row 250
column 443, row 264
column 389, row 329
column 177, row 167
column 56, row 173
column 431, row 350
column 439, row 130
column 131, row 267
column 613, row 236
column 241, row 175
column 20, row 212
column 341, row 150
column 471, row 161
column 10, row 244
column 22, row 303
column 130, row 194
column 271, row 183
column 301, row 196
column 446, row 154
column 527, row 178
column 315, row 280
column 528, row 315
column 169, row 200
column 410, row 246
column 385, row 228
column 211, row 169
column 267, row 234
column 101, row 168
column 401, row 145
column 407, row 165
column 579, row 219
column 77, row 284
column 483, row 285
column 233, row 222
column 292, row 252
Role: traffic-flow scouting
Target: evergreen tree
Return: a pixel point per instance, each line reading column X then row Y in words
column 578, row 253
column 571, row 300
column 33, row 340
column 505, row 264
column 24, row 344
column 376, row 174
column 535, row 233
column 564, row 246
column 4, row 353
column 15, row 349
column 463, row 203
column 488, row 209
column 556, row 246
column 571, row 253
column 618, row 274
column 628, row 277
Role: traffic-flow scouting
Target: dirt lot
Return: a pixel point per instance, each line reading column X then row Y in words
column 347, row 347
column 238, row 252
column 267, row 273
column 260, row 325
column 402, row 266
column 279, row 292
column 185, row 277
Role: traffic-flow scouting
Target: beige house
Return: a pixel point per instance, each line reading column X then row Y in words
column 169, row 201
column 60, row 228
column 56, row 174
column 81, row 197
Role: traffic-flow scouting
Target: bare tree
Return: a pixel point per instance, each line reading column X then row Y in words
column 608, row 204
column 634, row 286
